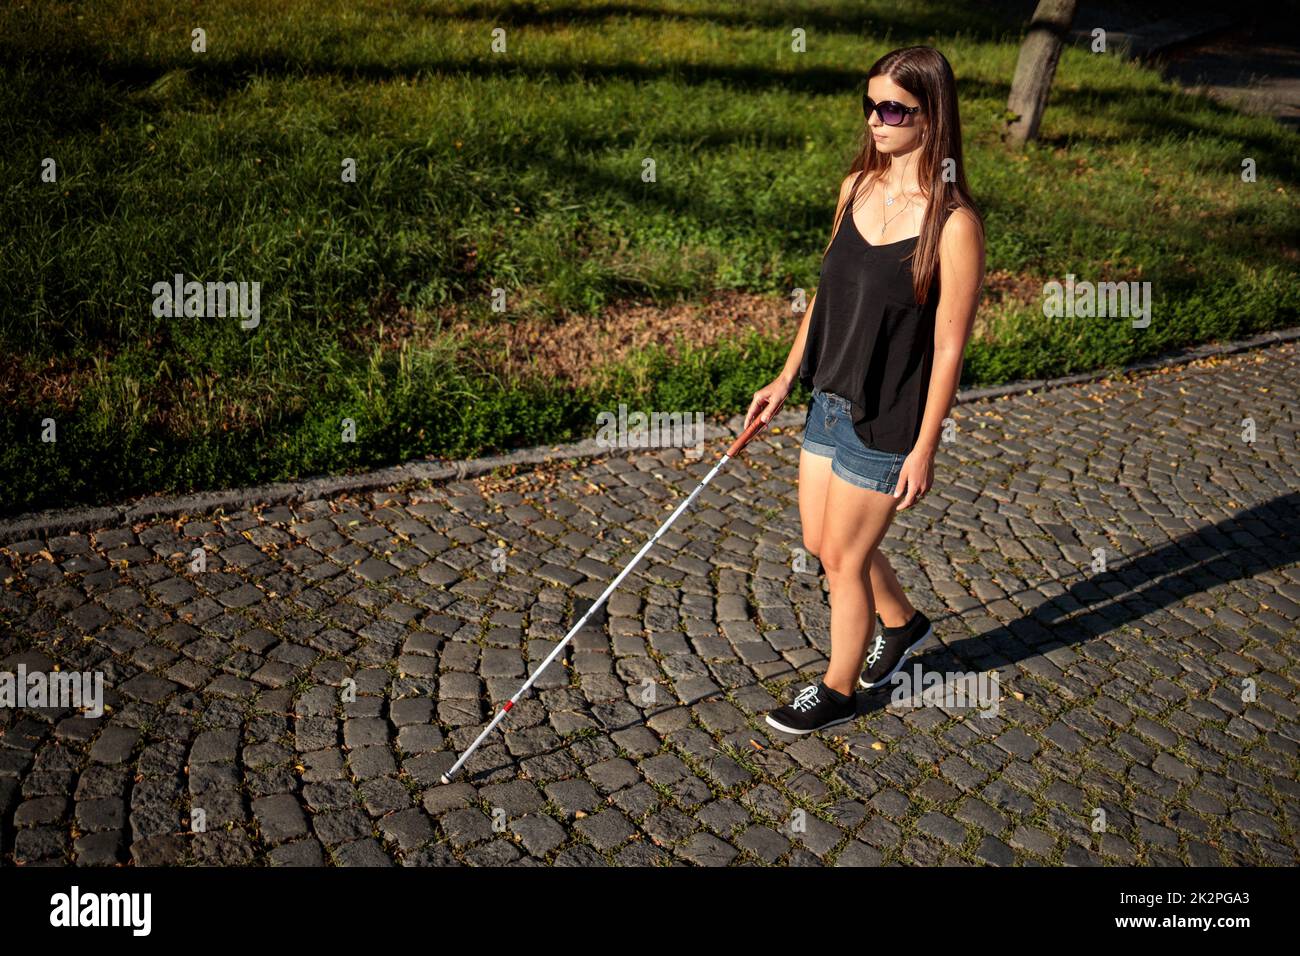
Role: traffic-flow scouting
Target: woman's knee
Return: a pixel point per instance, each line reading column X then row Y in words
column 838, row 561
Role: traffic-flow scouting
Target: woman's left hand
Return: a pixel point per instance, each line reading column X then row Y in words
column 914, row 477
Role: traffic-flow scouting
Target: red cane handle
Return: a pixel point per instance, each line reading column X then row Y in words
column 747, row 435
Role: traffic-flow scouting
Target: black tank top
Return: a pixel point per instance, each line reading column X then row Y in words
column 868, row 340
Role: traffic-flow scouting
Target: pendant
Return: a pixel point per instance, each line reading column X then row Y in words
column 889, row 201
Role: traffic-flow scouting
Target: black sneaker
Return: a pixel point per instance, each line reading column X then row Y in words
column 890, row 647
column 815, row 707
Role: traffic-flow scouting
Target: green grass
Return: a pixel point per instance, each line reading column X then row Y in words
column 521, row 171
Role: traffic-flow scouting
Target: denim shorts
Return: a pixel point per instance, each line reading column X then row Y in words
column 828, row 431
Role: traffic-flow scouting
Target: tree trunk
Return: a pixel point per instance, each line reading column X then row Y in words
column 1036, row 67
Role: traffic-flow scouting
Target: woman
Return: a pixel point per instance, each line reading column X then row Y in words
column 881, row 347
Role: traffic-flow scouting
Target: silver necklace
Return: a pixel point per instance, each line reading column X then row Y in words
column 889, row 201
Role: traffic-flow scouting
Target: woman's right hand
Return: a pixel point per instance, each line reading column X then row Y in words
column 769, row 398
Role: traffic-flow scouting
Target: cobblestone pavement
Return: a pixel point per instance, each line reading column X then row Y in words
column 1147, row 710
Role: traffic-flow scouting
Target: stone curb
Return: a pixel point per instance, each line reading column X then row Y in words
column 71, row 520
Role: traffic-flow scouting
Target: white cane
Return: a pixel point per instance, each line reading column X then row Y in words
column 735, row 449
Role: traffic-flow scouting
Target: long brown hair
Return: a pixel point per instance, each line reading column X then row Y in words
column 925, row 73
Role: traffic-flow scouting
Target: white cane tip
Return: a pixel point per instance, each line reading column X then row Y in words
column 445, row 779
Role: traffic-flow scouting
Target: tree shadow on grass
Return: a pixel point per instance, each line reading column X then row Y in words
column 921, row 23
column 1136, row 113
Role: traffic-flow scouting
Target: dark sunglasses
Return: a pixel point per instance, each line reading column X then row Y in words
column 891, row 112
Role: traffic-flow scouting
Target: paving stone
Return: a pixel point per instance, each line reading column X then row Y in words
column 538, row 833
column 669, row 826
column 516, row 797
column 43, row 810
column 363, row 852
column 100, row 815
column 163, row 850
column 420, row 738
column 299, row 853
column 764, row 842
column 105, row 848
column 450, row 796
column 367, row 763
column 215, row 746
column 384, row 795
column 340, row 827
column 943, row 828
column 612, row 775
column 724, row 817
column 409, row 829
column 704, row 849
column 994, row 852
column 279, row 818
column 114, row 745
column 465, row 827
column 573, row 795
column 859, row 854
column 411, row 710
column 1033, row 840
column 605, row 830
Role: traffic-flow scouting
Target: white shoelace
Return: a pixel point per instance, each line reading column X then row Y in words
column 877, row 648
column 807, row 698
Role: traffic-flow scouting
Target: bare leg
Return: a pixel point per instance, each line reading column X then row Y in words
column 814, row 479
column 855, row 523
column 892, row 604
column 887, row 595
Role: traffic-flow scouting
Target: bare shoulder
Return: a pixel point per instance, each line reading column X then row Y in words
column 962, row 231
column 846, row 187
column 961, row 252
